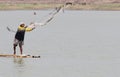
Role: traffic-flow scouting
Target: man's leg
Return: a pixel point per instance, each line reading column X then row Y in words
column 21, row 50
column 14, row 47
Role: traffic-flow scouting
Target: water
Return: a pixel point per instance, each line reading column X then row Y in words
column 73, row 44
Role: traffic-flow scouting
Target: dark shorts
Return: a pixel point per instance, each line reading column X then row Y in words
column 16, row 42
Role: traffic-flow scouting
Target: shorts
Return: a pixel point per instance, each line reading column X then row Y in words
column 16, row 42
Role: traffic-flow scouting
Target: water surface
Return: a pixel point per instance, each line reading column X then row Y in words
column 73, row 44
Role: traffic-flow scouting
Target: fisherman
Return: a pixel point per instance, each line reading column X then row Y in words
column 19, row 37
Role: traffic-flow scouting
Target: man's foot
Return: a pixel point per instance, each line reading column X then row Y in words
column 14, row 55
column 22, row 55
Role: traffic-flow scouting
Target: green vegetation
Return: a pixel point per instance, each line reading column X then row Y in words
column 112, row 6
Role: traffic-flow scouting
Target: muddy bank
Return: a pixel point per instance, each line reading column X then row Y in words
column 50, row 4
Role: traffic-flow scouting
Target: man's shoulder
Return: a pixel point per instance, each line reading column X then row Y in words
column 21, row 28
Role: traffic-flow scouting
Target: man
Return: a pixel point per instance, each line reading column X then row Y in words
column 19, row 37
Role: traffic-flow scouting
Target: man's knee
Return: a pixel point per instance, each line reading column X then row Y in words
column 14, row 45
column 20, row 45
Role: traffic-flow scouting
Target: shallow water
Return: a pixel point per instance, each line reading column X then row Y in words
column 73, row 44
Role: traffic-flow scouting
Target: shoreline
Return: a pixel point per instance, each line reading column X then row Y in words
column 35, row 6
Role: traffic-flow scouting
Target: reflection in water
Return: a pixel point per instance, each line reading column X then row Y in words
column 19, row 66
column 19, row 61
